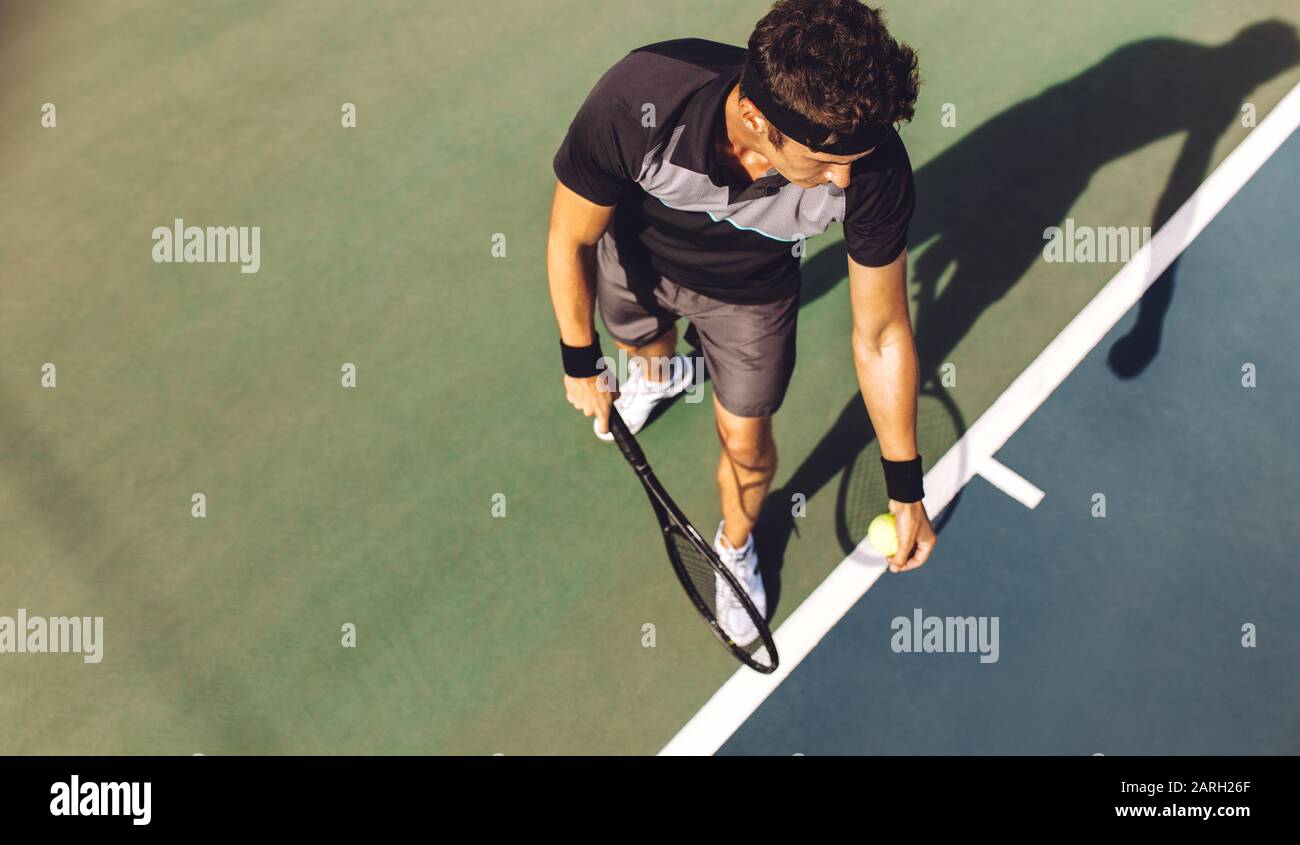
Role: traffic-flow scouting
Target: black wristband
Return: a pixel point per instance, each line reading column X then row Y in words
column 580, row 361
column 903, row 480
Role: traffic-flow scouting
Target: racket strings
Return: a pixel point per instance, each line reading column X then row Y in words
column 717, row 597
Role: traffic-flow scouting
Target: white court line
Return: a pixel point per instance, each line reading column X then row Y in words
column 741, row 695
column 1010, row 482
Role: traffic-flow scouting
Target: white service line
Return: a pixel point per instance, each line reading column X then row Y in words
column 741, row 695
column 1010, row 482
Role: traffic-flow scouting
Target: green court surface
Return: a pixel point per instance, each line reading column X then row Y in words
column 373, row 505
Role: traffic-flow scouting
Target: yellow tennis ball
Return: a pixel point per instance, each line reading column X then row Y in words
column 882, row 535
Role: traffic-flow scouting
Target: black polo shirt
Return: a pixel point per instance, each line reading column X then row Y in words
column 644, row 141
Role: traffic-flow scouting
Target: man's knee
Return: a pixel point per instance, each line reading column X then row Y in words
column 747, row 441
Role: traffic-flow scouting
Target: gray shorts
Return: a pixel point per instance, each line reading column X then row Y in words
column 748, row 348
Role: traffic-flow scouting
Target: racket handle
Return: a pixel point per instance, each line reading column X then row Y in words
column 626, row 442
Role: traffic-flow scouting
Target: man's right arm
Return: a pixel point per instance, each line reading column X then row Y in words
column 577, row 224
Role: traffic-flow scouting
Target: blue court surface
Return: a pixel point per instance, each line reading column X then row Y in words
column 1169, row 626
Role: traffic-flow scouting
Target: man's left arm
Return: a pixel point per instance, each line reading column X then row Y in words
column 884, row 355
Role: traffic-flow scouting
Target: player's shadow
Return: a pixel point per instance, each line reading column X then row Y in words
column 982, row 206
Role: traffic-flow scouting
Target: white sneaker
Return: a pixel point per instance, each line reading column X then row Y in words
column 638, row 396
column 743, row 563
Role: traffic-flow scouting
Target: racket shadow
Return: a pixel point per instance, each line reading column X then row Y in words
column 776, row 523
column 861, row 494
column 849, row 455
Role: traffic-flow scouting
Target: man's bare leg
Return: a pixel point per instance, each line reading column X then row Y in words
column 745, row 470
column 655, row 356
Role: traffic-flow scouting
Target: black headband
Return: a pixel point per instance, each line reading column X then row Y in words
column 794, row 125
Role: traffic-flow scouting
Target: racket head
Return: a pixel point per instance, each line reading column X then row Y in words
column 720, row 599
column 718, row 596
column 862, row 496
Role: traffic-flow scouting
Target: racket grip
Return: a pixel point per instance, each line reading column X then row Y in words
column 626, row 442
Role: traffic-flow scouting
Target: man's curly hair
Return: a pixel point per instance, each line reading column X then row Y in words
column 834, row 62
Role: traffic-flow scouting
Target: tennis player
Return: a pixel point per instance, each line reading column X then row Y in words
column 687, row 183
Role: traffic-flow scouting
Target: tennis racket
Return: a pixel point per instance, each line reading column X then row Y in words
column 862, row 496
column 720, row 599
